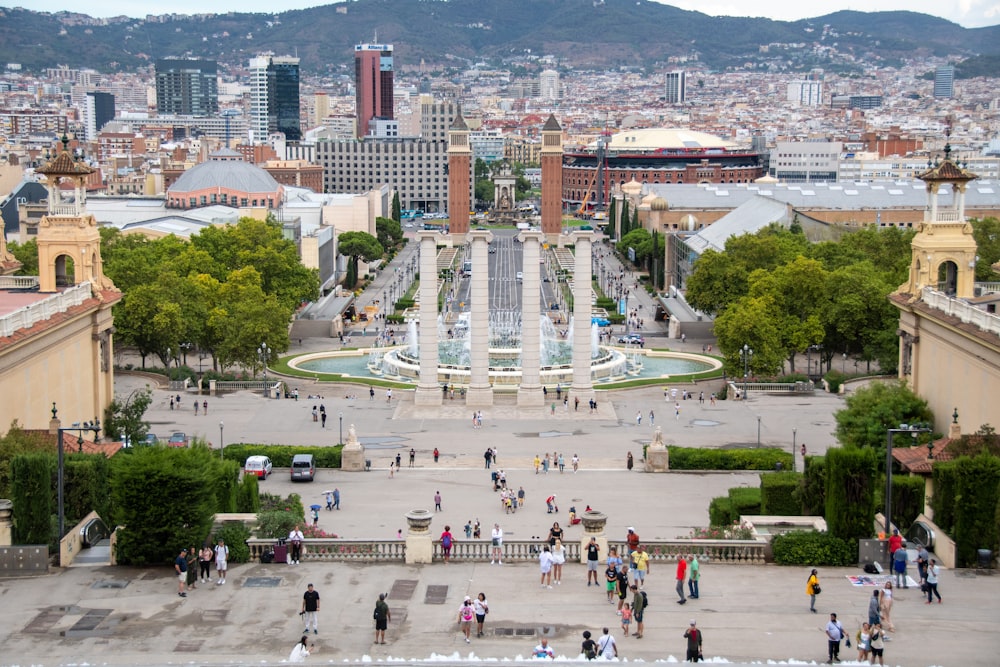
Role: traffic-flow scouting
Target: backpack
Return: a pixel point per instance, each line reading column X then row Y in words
column 645, row 600
column 446, row 541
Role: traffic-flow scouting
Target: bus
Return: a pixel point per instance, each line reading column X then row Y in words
column 411, row 213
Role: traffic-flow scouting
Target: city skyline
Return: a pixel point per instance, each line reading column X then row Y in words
column 969, row 13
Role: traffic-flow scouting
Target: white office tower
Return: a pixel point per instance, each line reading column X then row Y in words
column 548, row 85
column 805, row 93
column 676, row 87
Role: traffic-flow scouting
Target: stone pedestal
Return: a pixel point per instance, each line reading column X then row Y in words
column 529, row 393
column 583, row 385
column 428, row 392
column 480, row 393
column 657, row 456
column 593, row 526
column 6, row 521
column 419, row 545
column 352, row 457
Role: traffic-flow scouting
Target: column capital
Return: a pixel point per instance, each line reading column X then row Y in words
column 531, row 235
column 479, row 235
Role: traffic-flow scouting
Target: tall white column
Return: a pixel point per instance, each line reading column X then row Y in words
column 529, row 393
column 583, row 386
column 428, row 391
column 480, row 392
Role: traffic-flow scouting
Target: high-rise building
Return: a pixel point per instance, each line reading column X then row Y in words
column 187, row 87
column 99, row 109
column 274, row 97
column 805, row 93
column 944, row 82
column 676, row 87
column 373, row 83
column 321, row 108
column 548, row 85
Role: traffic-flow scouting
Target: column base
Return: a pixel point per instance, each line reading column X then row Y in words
column 583, row 392
column 657, row 460
column 419, row 549
column 479, row 396
column 427, row 395
column 530, row 397
column 352, row 459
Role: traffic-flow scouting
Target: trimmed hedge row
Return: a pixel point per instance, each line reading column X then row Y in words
column 851, row 479
column 281, row 455
column 726, row 510
column 778, row 493
column 967, row 496
column 812, row 492
column 813, row 548
column 692, row 458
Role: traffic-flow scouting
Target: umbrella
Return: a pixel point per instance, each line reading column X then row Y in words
column 315, row 507
column 327, row 491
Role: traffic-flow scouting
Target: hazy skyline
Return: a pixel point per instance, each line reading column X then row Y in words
column 968, row 13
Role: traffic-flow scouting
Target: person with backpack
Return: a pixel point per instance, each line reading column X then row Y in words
column 693, row 636
column 446, row 542
column 589, row 647
column 639, row 603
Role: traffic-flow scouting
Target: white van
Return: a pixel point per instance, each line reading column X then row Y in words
column 257, row 465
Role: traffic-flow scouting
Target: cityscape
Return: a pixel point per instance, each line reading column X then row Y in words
column 741, row 300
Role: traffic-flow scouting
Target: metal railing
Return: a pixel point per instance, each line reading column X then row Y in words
column 24, row 318
column 734, row 552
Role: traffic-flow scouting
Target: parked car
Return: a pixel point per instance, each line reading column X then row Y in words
column 519, row 276
column 632, row 339
column 151, row 439
column 303, row 468
column 178, row 439
column 257, row 465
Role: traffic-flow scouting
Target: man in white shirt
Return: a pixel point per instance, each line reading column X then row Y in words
column 295, row 540
column 543, row 650
column 497, row 542
column 606, row 646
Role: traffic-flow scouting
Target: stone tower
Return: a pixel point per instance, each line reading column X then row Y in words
column 459, row 175
column 552, row 160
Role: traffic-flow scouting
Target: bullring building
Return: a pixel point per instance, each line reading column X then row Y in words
column 655, row 156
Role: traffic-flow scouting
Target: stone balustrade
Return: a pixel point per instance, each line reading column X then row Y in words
column 736, row 552
column 28, row 316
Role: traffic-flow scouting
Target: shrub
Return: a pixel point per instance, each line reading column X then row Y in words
column 851, row 478
column 745, row 500
column 236, row 535
column 87, row 477
column 813, row 548
column 777, row 493
column 720, row 511
column 834, row 379
column 32, row 478
column 907, row 499
column 977, row 490
column 248, row 495
column 811, row 493
column 270, row 502
column 281, row 455
column 945, row 492
column 225, row 483
column 278, row 523
column 693, row 458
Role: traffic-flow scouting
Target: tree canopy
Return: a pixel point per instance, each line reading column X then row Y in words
column 358, row 246
column 871, row 410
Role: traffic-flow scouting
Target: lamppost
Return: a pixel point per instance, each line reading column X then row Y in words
column 79, row 429
column 222, row 442
column 341, row 416
column 758, row 431
column 913, row 430
column 264, row 352
column 793, row 452
column 843, row 366
column 745, row 354
column 184, row 351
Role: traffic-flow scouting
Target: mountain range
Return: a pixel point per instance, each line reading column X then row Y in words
column 580, row 33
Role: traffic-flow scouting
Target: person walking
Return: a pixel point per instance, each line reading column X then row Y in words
column 413, row 456
column 886, row 605
column 496, row 538
column 681, row 576
column 812, row 589
column 899, row 558
column 606, row 646
column 593, row 558
column 537, row 463
column 295, row 538
column 874, row 608
column 932, row 581
column 638, row 610
column 181, row 568
column 196, row 407
column 204, row 408
column 382, row 616
column 694, row 639
column 192, row 569
column 640, row 565
column 589, row 646
column 221, row 560
column 834, row 633
column 877, row 644
column 545, row 567
column 465, row 615
column 638, row 418
column 652, row 421
column 562, row 464
column 558, row 559
column 621, row 586
column 694, row 576
column 322, row 419
column 437, row 454
column 481, row 607
column 336, row 498
column 629, row 462
column 310, row 609
column 626, row 618
column 371, row 393
column 576, row 463
column 437, row 501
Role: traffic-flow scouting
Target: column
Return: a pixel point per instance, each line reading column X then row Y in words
column 480, row 392
column 529, row 393
column 582, row 387
column 428, row 391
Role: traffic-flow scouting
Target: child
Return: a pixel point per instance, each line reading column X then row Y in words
column 475, row 530
column 626, row 617
column 611, row 574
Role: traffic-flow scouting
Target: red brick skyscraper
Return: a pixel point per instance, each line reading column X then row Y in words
column 552, row 159
column 373, row 83
column 459, row 178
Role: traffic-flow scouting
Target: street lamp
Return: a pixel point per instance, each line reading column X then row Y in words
column 222, row 442
column 793, row 453
column 913, row 430
column 341, row 416
column 745, row 354
column 264, row 352
column 79, row 429
column 758, row 431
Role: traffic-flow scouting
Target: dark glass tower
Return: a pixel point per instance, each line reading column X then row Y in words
column 187, row 87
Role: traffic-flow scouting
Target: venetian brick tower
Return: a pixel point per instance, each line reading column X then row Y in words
column 459, row 176
column 552, row 160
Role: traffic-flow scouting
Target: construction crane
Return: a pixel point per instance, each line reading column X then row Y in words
column 599, row 171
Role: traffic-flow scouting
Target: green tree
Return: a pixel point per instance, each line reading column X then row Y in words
column 31, row 495
column 859, row 318
column 123, row 418
column 640, row 241
column 27, row 254
column 986, row 232
column 149, row 319
column 871, row 410
column 851, row 480
column 397, row 210
column 751, row 321
column 19, row 441
column 246, row 316
column 359, row 246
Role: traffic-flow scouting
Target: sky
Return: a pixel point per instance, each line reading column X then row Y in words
column 968, row 13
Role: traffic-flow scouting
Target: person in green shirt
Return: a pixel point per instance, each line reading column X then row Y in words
column 694, row 574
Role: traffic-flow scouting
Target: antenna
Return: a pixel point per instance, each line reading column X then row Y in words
column 376, row 36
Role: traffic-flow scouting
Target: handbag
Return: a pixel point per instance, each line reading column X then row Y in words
column 848, row 642
column 816, row 589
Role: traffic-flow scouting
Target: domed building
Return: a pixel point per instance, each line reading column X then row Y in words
column 655, row 156
column 225, row 179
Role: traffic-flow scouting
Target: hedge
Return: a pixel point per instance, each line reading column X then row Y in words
column 813, row 548
column 32, row 480
column 907, row 500
column 693, row 458
column 720, row 511
column 851, row 479
column 811, row 493
column 86, row 482
column 945, row 491
column 977, row 492
column 281, row 455
column 777, row 493
column 248, row 495
column 745, row 500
